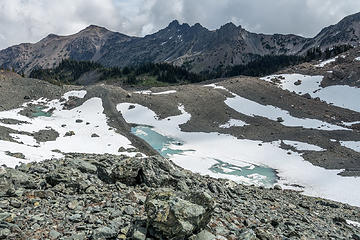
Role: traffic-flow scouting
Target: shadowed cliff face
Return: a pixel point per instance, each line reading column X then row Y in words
column 194, row 46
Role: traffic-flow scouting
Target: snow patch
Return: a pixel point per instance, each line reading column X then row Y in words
column 213, row 85
column 234, row 123
column 354, row 145
column 339, row 95
column 251, row 108
column 302, row 146
column 323, row 63
column 149, row 92
column 78, row 94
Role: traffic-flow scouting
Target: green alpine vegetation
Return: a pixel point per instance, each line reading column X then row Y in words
column 148, row 74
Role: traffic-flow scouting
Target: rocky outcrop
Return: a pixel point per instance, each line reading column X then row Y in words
column 116, row 197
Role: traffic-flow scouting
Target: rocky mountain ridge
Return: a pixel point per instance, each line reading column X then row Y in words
column 195, row 47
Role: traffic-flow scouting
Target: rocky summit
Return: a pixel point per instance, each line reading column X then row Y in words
column 86, row 196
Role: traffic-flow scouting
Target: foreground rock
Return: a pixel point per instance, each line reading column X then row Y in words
column 117, row 197
column 172, row 217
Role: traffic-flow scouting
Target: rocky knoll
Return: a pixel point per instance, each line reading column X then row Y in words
column 117, row 197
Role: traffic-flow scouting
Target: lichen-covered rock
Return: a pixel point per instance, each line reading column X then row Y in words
column 83, row 166
column 171, row 216
column 154, row 172
column 71, row 177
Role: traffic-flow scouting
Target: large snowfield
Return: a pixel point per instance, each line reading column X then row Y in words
column 207, row 148
column 93, row 121
column 339, row 95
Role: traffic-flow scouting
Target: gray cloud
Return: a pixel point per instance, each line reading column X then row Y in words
column 31, row 20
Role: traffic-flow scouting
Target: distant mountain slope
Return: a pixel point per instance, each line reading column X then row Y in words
column 88, row 44
column 347, row 31
column 193, row 46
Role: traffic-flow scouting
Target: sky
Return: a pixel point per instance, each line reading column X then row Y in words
column 31, row 20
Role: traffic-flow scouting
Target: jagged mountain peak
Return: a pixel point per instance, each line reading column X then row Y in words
column 229, row 26
column 174, row 23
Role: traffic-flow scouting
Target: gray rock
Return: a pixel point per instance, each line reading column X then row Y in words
column 154, row 172
column 4, row 233
column 122, row 149
column 75, row 218
column 129, row 210
column 54, row 234
column 6, row 217
column 15, row 203
column 139, row 234
column 43, row 194
column 73, row 204
column 69, row 134
column 84, row 166
column 248, row 234
column 104, row 233
column 203, row 235
column 170, row 215
column 307, row 96
column 69, row 176
column 298, row 82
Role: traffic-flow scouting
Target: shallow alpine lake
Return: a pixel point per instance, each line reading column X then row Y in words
column 168, row 147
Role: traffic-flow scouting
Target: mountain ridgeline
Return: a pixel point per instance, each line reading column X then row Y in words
column 194, row 47
column 160, row 74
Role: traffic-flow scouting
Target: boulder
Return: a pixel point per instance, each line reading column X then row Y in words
column 307, row 96
column 69, row 134
column 298, row 82
column 70, row 177
column 280, row 119
column 104, row 233
column 83, row 166
column 154, row 172
column 203, row 235
column 171, row 216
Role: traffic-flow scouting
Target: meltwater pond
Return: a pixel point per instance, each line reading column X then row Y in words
column 160, row 143
column 40, row 113
column 169, row 148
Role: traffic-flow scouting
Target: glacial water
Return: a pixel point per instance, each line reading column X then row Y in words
column 160, row 143
column 40, row 113
column 258, row 175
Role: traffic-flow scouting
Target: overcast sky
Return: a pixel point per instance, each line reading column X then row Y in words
column 31, row 20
